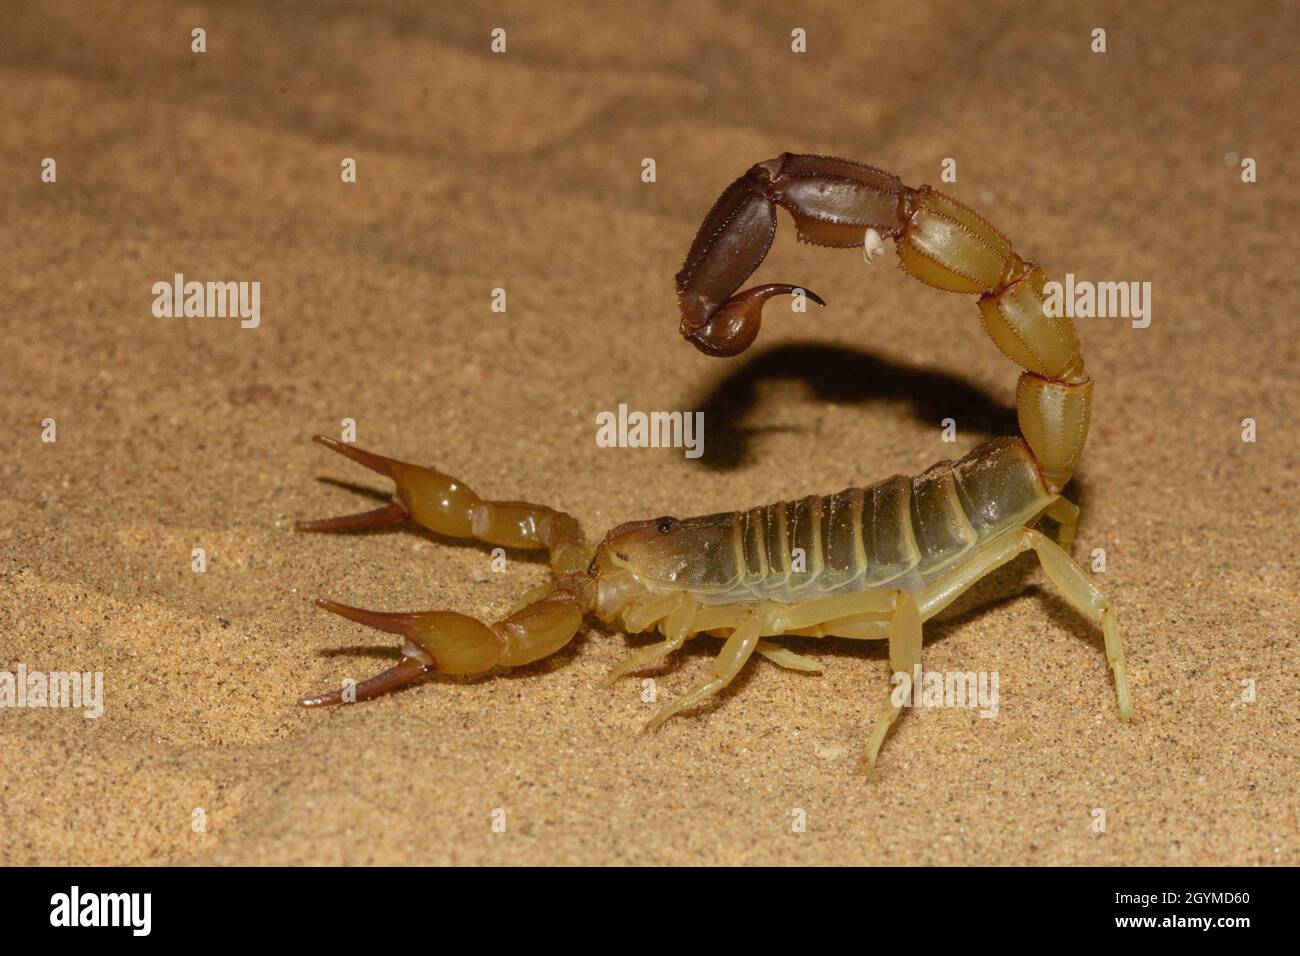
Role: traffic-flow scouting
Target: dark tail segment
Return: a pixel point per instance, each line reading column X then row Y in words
column 833, row 202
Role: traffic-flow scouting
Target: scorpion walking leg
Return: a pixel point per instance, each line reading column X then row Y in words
column 740, row 645
column 860, row 616
column 893, row 615
column 942, row 592
column 677, row 627
column 649, row 610
column 686, row 619
column 1066, row 515
column 681, row 624
column 904, row 657
column 790, row 660
column 1062, row 570
column 1085, row 597
column 897, row 609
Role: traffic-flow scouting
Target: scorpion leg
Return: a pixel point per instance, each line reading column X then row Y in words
column 897, row 610
column 740, row 645
column 1063, row 571
column 1066, row 515
column 1083, row 594
column 942, row 592
column 904, row 658
column 647, row 611
column 873, row 614
column 894, row 613
column 784, row 657
column 676, row 628
column 679, row 625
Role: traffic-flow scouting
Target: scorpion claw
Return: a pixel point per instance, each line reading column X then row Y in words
column 400, row 674
column 425, row 495
column 389, row 514
column 450, row 643
column 445, row 641
column 392, row 513
column 376, row 463
column 393, row 623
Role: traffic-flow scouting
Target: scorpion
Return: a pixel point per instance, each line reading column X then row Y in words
column 877, row 562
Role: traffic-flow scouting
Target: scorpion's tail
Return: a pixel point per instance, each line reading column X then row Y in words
column 940, row 241
column 445, row 641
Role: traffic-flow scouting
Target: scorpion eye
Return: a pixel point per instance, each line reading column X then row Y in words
column 665, row 525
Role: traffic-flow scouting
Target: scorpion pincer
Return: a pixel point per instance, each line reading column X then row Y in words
column 877, row 561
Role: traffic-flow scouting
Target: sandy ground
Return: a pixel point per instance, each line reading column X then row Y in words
column 522, row 171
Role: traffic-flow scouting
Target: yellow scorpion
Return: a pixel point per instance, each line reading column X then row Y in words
column 876, row 562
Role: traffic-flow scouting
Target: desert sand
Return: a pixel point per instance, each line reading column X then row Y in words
column 522, row 171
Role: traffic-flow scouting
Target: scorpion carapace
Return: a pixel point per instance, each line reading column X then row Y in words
column 868, row 563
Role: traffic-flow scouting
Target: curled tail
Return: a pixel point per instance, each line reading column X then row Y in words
column 939, row 240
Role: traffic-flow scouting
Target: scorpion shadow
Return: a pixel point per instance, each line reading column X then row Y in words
column 848, row 376
column 845, row 376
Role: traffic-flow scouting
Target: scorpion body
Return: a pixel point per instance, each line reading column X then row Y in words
column 868, row 563
column 901, row 533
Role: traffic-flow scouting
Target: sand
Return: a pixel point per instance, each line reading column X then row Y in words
column 522, row 171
